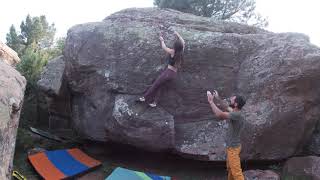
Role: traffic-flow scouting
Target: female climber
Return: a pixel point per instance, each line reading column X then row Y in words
column 174, row 61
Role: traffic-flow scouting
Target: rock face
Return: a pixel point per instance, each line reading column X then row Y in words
column 8, row 55
column 110, row 63
column 302, row 168
column 54, row 85
column 313, row 147
column 132, row 125
column 51, row 82
column 12, row 87
column 261, row 175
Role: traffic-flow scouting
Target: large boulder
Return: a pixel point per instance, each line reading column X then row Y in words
column 12, row 87
column 110, row 63
column 51, row 82
column 302, row 168
column 54, row 86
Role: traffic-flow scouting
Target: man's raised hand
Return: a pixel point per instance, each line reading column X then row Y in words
column 210, row 97
column 215, row 93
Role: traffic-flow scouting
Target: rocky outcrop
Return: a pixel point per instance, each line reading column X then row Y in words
column 302, row 168
column 109, row 64
column 261, row 175
column 12, row 87
column 8, row 55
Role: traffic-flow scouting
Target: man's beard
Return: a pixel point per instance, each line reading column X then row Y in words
column 229, row 102
column 232, row 106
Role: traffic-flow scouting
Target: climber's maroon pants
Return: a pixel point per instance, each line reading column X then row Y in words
column 166, row 76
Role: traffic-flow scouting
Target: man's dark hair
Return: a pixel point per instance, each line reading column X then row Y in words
column 240, row 101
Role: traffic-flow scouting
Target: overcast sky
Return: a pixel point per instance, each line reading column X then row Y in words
column 283, row 15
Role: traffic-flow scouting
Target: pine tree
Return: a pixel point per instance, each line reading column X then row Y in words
column 35, row 46
column 242, row 11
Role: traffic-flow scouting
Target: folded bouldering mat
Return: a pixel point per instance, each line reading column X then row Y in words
column 62, row 164
column 125, row 174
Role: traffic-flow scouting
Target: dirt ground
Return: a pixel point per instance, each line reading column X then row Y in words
column 115, row 155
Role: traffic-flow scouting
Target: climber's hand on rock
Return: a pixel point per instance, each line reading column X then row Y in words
column 174, row 31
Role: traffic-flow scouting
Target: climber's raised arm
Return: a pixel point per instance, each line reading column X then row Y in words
column 164, row 47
